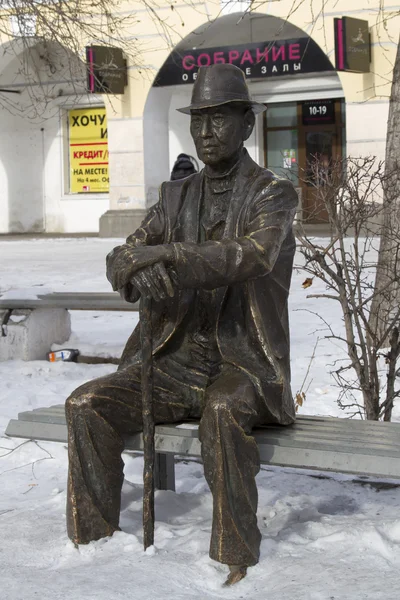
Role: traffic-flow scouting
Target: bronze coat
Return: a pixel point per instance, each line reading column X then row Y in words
column 250, row 267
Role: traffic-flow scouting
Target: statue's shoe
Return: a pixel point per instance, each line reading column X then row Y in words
column 236, row 574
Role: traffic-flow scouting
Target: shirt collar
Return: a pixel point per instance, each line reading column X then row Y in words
column 222, row 183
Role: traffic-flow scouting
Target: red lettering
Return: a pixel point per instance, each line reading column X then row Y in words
column 262, row 55
column 219, row 58
column 204, row 64
column 294, row 51
column 278, row 52
column 233, row 55
column 186, row 64
column 247, row 57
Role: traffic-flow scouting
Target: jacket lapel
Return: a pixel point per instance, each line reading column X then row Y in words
column 186, row 229
column 187, row 223
column 247, row 174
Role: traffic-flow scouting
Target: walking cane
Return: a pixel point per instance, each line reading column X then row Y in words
column 148, row 421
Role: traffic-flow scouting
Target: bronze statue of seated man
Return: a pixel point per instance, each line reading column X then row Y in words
column 215, row 255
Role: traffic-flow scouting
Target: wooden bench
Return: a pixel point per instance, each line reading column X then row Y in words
column 363, row 448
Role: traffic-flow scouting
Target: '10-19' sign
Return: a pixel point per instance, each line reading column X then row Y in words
column 318, row 112
column 266, row 59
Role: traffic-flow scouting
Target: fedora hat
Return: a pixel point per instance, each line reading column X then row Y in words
column 219, row 84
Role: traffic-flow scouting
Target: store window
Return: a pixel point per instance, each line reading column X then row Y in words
column 298, row 133
column 281, row 140
column 88, row 151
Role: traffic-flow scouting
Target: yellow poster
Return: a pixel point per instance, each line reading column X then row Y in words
column 88, row 150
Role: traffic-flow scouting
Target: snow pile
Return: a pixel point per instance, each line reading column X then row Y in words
column 323, row 538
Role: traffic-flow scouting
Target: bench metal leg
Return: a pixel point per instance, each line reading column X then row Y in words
column 164, row 475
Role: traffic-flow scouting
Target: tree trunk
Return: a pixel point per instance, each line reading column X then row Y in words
column 386, row 298
column 371, row 406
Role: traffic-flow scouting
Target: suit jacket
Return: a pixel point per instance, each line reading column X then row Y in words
column 250, row 267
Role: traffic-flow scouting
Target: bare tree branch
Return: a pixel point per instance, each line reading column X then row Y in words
column 351, row 192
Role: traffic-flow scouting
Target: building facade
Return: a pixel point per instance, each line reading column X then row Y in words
column 94, row 162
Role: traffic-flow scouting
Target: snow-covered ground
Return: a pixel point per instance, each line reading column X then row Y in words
column 323, row 538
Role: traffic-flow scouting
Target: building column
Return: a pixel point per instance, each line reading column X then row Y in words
column 127, row 197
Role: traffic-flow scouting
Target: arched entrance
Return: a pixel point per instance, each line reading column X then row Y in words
column 285, row 68
column 37, row 80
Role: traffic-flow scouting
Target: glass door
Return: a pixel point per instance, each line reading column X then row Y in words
column 320, row 135
column 281, row 140
column 295, row 135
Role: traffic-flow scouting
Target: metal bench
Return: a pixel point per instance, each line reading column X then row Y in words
column 363, row 448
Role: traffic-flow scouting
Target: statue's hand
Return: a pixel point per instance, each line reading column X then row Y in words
column 125, row 265
column 129, row 293
column 154, row 282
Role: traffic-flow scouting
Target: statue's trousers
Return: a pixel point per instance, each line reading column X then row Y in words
column 102, row 411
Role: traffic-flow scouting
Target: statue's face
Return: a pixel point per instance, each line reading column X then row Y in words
column 219, row 132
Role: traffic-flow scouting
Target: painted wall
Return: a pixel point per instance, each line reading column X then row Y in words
column 145, row 131
column 33, row 161
column 21, row 160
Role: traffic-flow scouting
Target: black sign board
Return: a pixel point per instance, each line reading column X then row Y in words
column 352, row 45
column 106, row 70
column 318, row 112
column 257, row 60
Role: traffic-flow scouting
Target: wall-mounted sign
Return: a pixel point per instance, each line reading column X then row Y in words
column 258, row 60
column 106, row 70
column 352, row 45
column 318, row 112
column 88, row 150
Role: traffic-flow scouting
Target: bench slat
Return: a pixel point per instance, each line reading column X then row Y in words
column 305, row 421
column 72, row 301
column 294, row 434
